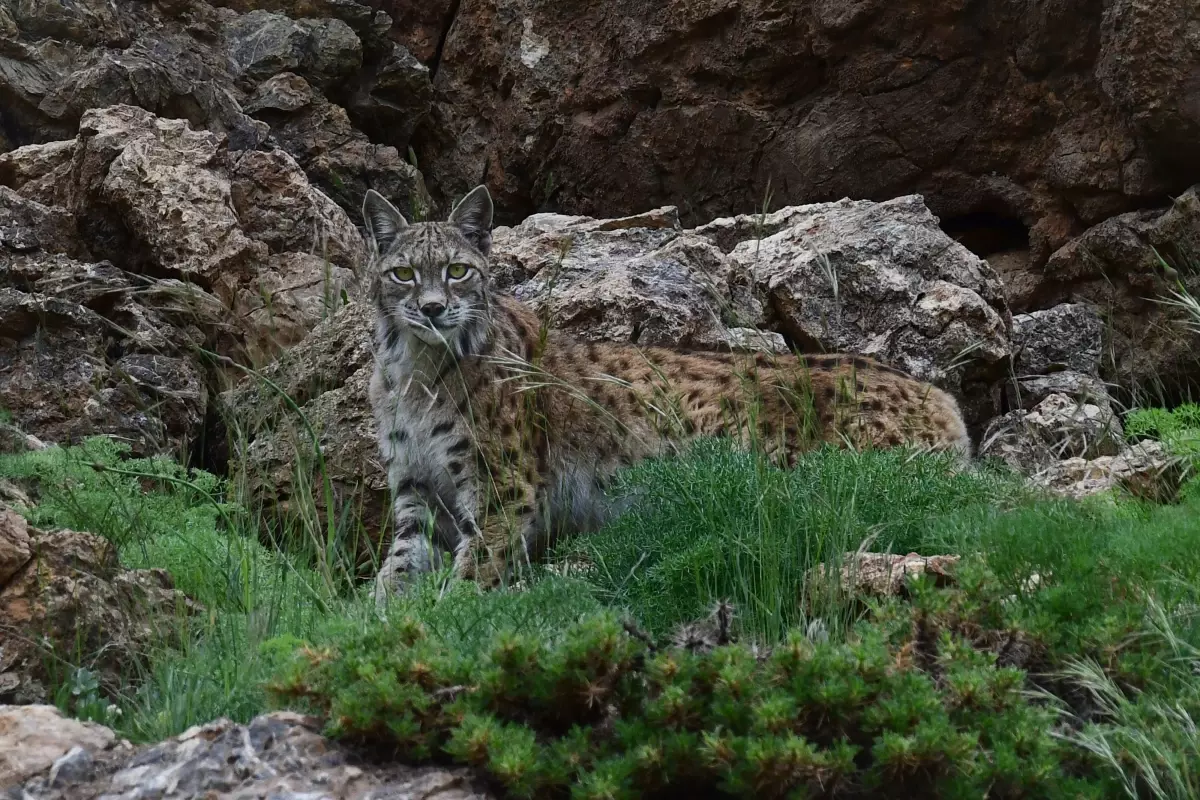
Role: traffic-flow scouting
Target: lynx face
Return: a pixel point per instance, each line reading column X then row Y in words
column 430, row 280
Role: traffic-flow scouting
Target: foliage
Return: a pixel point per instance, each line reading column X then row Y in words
column 599, row 712
column 1177, row 428
column 719, row 523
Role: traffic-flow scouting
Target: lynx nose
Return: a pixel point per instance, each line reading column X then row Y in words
column 433, row 309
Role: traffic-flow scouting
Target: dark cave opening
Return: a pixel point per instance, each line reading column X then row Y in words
column 987, row 232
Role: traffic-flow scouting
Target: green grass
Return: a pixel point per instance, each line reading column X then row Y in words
column 1110, row 626
column 720, row 524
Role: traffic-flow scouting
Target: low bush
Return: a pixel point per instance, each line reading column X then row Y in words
column 600, row 712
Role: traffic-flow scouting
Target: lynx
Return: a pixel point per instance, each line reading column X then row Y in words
column 498, row 434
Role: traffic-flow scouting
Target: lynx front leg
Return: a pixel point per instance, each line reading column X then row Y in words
column 410, row 553
column 504, row 530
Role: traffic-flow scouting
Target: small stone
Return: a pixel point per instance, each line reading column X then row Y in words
column 34, row 737
column 74, row 767
column 14, row 544
column 883, row 574
column 1057, row 428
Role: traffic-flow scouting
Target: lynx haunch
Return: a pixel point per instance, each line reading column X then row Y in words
column 501, row 432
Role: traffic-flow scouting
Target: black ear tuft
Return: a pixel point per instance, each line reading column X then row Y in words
column 473, row 216
column 383, row 219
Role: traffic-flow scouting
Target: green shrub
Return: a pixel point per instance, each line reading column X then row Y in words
column 1178, row 429
column 599, row 712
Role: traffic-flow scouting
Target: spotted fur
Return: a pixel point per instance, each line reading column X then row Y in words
column 498, row 433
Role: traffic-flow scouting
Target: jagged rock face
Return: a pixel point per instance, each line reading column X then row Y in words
column 128, row 251
column 1024, row 129
column 1051, row 116
column 202, row 62
column 906, row 294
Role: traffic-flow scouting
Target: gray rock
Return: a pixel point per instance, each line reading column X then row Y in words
column 339, row 159
column 878, row 279
column 1069, row 336
column 1128, row 265
column 638, row 279
column 1144, row 469
column 279, row 755
column 1027, row 391
column 38, row 738
column 1057, row 428
column 262, row 44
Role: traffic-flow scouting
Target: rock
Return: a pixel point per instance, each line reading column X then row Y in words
column 1029, row 390
column 71, row 600
column 639, row 279
column 419, row 24
column 274, row 204
column 1129, row 265
column 337, row 158
column 326, row 376
column 39, row 172
column 82, row 356
column 878, row 279
column 94, row 22
column 27, row 225
column 38, row 738
column 394, row 99
column 262, row 44
column 1144, row 469
column 15, row 440
column 256, row 256
column 1058, row 352
column 1025, row 127
column 1068, row 336
column 865, row 574
column 14, row 544
column 162, row 180
column 274, row 755
column 1055, row 429
column 165, row 73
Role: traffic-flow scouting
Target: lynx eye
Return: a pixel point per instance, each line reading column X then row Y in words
column 458, row 271
column 402, row 274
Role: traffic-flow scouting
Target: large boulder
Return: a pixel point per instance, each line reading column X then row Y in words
column 1144, row 469
column 1058, row 351
column 38, row 740
column 640, row 279
column 66, row 600
column 1056, row 429
column 879, row 279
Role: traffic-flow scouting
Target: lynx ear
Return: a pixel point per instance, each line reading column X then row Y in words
column 383, row 219
column 473, row 216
